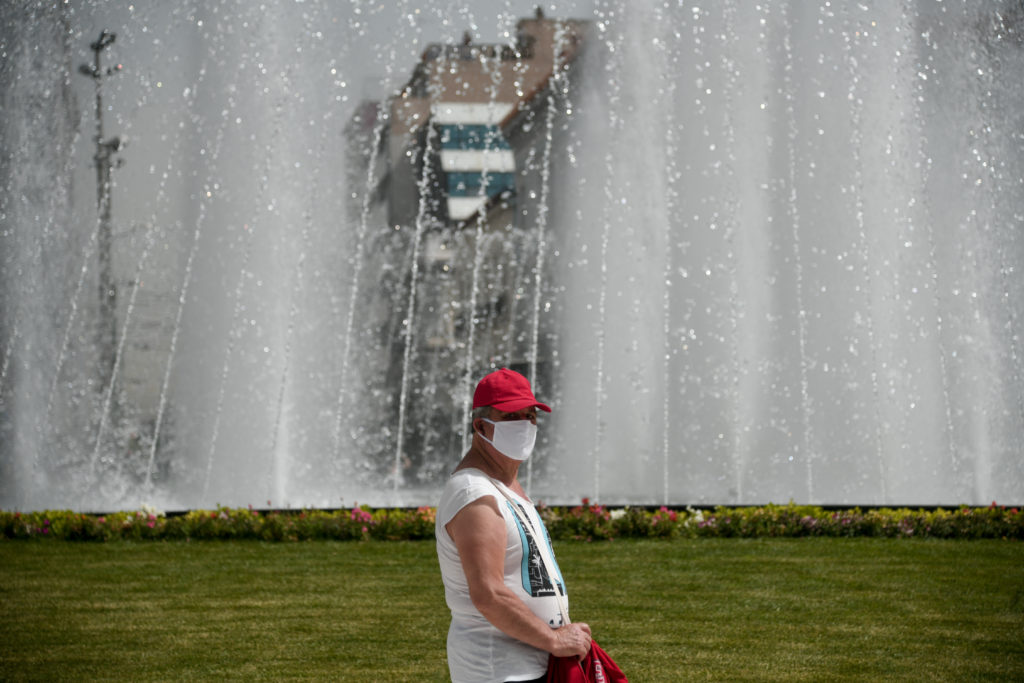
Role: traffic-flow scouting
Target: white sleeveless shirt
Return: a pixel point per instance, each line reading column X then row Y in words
column 477, row 651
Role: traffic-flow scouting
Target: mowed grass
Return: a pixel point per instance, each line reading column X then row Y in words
column 807, row 609
column 710, row 609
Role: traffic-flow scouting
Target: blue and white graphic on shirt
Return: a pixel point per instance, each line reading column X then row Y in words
column 535, row 579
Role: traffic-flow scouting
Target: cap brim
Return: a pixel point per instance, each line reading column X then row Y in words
column 519, row 404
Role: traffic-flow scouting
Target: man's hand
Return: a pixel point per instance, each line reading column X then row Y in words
column 572, row 641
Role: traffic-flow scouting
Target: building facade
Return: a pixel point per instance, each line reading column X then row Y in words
column 452, row 220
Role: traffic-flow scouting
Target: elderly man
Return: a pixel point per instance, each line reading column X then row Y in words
column 505, row 615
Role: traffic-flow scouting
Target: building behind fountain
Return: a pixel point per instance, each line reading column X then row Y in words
column 457, row 166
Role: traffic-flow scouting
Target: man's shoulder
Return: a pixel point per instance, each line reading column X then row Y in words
column 469, row 483
column 462, row 488
column 468, row 476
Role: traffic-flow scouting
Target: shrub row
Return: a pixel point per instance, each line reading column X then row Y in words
column 596, row 522
column 358, row 523
column 587, row 521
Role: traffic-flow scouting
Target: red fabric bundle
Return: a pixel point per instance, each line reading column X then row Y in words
column 596, row 667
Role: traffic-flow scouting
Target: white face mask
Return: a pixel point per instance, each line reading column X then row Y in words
column 513, row 439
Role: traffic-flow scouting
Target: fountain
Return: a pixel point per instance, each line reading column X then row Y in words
column 824, row 264
column 748, row 253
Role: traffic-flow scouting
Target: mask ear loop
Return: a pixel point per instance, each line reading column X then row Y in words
column 482, row 431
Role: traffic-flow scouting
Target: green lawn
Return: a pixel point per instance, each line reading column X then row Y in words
column 711, row 609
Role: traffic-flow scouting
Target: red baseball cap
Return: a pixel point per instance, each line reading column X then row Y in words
column 507, row 391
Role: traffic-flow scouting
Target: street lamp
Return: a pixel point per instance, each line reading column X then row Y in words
column 104, row 158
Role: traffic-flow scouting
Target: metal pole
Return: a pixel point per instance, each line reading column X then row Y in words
column 105, row 149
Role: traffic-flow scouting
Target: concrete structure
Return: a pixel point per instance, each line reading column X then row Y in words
column 455, row 224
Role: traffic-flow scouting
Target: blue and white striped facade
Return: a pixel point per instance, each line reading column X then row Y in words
column 473, row 153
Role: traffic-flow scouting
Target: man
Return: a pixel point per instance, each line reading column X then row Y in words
column 505, row 615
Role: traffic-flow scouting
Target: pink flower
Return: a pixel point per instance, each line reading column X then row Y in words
column 151, row 524
column 360, row 515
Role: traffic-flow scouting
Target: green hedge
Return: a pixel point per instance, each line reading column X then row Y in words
column 359, row 523
column 588, row 522
column 595, row 522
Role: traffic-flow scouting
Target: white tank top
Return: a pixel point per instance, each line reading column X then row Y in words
column 477, row 651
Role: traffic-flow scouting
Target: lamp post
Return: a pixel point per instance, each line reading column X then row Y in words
column 105, row 149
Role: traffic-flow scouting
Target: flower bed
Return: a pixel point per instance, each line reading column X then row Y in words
column 358, row 523
column 587, row 522
column 593, row 522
